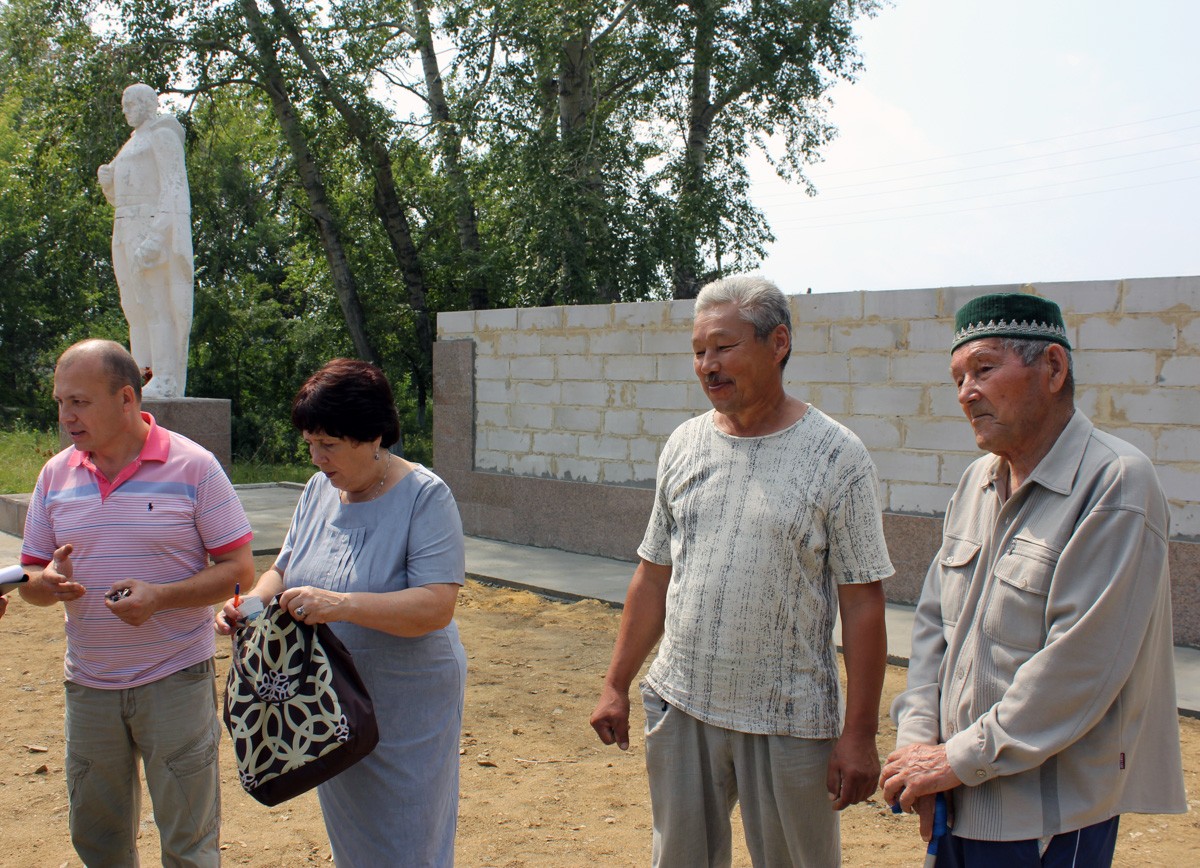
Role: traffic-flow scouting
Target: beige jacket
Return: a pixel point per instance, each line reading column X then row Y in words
column 1042, row 652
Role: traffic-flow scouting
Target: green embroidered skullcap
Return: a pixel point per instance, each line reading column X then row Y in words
column 1009, row 315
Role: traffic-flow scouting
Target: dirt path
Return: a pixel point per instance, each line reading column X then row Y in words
column 538, row 789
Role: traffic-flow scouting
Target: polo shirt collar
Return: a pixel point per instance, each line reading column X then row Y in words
column 158, row 441
column 156, row 447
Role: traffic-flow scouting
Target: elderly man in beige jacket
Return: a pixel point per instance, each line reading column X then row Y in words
column 1041, row 693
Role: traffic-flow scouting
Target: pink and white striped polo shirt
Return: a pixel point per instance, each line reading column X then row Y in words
column 157, row 521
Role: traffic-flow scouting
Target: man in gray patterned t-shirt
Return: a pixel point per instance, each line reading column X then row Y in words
column 766, row 524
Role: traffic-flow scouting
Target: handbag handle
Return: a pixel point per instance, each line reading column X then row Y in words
column 273, row 612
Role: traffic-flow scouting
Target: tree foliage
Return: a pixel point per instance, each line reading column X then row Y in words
column 55, row 276
column 357, row 167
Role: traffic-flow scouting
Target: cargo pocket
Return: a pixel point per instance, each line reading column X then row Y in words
column 193, row 768
column 77, row 768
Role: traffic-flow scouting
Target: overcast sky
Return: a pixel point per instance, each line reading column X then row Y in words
column 990, row 142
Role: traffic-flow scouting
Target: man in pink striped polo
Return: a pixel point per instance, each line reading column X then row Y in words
column 121, row 530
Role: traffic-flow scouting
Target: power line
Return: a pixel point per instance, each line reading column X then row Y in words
column 1008, row 162
column 823, row 199
column 825, row 225
column 1017, row 144
column 1016, row 159
column 1005, row 192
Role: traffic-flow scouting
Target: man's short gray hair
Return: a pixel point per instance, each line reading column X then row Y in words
column 758, row 301
column 1029, row 350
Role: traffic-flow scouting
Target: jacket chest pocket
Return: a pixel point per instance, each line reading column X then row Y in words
column 1016, row 611
column 956, row 565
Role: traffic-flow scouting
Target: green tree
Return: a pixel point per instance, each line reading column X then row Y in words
column 561, row 135
column 746, row 71
column 56, row 281
column 555, row 153
column 263, row 320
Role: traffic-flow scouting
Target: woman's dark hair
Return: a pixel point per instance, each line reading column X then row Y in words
column 348, row 398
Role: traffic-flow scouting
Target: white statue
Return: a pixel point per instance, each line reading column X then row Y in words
column 152, row 241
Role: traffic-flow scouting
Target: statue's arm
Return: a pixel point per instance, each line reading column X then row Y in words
column 172, row 220
column 172, row 173
column 105, row 176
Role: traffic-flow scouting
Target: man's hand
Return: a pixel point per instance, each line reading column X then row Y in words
column 641, row 626
column 611, row 717
column 136, row 607
column 55, row 584
column 914, row 771
column 3, row 605
column 925, row 806
column 853, row 769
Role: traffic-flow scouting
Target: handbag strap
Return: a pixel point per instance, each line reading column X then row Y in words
column 273, row 613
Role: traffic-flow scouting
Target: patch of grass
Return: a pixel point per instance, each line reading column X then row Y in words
column 248, row 472
column 22, row 454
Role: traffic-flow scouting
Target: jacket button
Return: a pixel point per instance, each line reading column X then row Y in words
column 980, row 773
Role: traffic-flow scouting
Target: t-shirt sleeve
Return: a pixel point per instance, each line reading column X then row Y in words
column 656, row 543
column 220, row 519
column 37, row 545
column 857, row 548
column 436, row 550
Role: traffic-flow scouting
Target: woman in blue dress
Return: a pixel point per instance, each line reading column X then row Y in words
column 375, row 550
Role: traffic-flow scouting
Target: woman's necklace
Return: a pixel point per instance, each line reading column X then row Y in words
column 373, row 492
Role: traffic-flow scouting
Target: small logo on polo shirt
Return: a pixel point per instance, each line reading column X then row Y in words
column 149, row 507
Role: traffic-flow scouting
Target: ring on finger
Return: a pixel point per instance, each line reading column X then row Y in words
column 300, row 611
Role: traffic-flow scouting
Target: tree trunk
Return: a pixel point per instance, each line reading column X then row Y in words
column 388, row 207
column 314, row 185
column 685, row 267
column 450, row 146
column 588, row 230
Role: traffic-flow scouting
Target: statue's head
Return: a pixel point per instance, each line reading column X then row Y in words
column 140, row 104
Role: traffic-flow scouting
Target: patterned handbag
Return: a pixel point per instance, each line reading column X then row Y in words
column 295, row 706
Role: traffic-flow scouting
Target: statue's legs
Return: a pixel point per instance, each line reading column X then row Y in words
column 171, row 328
column 132, row 291
column 157, row 302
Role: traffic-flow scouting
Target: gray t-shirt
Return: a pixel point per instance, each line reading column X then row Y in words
column 760, row 531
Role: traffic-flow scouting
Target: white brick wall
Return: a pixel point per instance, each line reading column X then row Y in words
column 1125, row 333
column 590, row 393
column 1181, row 371
column 1129, row 368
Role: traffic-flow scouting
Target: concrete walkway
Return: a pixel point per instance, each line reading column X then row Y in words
column 569, row 576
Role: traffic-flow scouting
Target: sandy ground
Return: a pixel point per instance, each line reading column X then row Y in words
column 538, row 789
